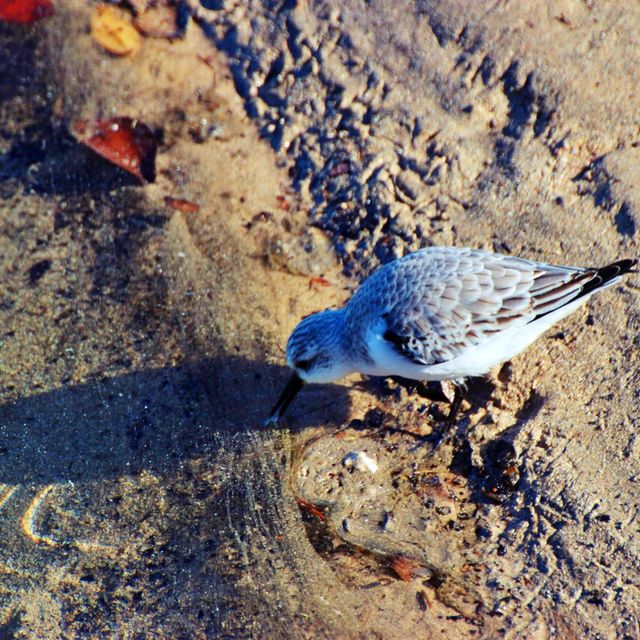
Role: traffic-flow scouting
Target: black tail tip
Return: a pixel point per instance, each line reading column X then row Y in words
column 605, row 274
column 617, row 268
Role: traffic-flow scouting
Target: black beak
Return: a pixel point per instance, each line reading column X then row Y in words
column 290, row 391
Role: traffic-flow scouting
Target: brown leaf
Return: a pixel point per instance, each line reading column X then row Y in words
column 311, row 508
column 283, row 205
column 317, row 282
column 208, row 60
column 404, row 568
column 125, row 142
column 182, row 205
column 113, row 32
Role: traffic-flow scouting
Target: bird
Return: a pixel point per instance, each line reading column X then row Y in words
column 439, row 313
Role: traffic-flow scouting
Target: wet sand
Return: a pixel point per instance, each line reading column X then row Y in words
column 142, row 347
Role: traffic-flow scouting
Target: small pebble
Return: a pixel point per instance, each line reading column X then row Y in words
column 359, row 460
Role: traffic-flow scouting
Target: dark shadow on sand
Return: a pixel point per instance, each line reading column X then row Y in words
column 149, row 420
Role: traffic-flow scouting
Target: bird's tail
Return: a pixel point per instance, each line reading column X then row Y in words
column 609, row 275
column 578, row 284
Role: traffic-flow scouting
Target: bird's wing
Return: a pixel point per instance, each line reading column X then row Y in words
column 472, row 297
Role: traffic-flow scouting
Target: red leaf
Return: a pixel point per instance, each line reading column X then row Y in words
column 127, row 143
column 283, row 205
column 318, row 281
column 186, row 206
column 25, row 11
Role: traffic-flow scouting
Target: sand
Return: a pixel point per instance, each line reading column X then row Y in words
column 142, row 346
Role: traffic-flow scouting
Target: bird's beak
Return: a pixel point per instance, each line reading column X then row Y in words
column 290, row 391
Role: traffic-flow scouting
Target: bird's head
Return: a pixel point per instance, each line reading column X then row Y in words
column 316, row 353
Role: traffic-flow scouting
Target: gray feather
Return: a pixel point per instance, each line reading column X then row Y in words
column 438, row 302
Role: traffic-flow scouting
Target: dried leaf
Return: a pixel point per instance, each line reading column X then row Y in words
column 182, row 205
column 311, row 508
column 208, row 60
column 283, row 205
column 113, row 32
column 318, row 281
column 125, row 142
column 25, row 11
column 404, row 568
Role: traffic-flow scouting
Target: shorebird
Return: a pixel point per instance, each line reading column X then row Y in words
column 440, row 313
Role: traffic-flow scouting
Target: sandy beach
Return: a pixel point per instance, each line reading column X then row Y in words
column 143, row 321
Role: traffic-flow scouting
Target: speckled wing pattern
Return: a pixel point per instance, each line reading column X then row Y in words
column 438, row 302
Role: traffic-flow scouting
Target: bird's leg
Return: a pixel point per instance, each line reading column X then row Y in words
column 448, row 433
column 458, row 396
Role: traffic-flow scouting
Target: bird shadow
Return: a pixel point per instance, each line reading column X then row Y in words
column 148, row 420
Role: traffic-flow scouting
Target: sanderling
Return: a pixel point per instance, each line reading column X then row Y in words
column 440, row 313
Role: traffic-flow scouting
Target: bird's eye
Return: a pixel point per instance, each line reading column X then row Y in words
column 304, row 365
